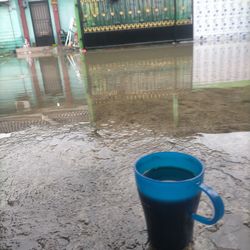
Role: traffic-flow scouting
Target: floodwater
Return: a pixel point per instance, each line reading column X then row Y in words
column 72, row 126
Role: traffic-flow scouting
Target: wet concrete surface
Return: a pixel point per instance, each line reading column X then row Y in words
column 73, row 187
column 66, row 160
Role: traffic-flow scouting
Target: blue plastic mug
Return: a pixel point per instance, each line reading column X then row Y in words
column 170, row 205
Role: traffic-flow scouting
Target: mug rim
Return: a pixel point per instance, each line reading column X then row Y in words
column 168, row 181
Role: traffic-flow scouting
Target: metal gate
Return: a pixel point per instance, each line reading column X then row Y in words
column 112, row 22
column 41, row 20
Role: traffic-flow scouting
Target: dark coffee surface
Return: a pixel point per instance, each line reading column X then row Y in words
column 169, row 174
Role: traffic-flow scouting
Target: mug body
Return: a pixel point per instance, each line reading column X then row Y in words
column 169, row 203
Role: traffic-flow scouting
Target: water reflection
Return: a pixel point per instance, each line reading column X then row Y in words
column 221, row 63
column 51, row 76
column 43, row 90
column 157, row 90
column 44, row 82
column 178, row 89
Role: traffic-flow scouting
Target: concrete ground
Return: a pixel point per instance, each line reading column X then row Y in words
column 72, row 187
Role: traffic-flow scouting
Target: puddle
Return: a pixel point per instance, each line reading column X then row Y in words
column 163, row 87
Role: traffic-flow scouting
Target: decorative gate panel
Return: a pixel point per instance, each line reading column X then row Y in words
column 112, row 22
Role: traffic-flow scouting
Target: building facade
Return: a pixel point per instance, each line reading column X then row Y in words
column 33, row 22
column 11, row 34
column 38, row 22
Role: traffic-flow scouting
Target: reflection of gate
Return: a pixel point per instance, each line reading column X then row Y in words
column 149, row 74
column 42, row 23
column 51, row 75
column 109, row 22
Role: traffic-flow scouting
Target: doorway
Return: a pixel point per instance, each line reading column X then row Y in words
column 41, row 20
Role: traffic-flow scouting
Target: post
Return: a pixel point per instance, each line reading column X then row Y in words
column 24, row 21
column 57, row 20
column 175, row 19
column 79, row 23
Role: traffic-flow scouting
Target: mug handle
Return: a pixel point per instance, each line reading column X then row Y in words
column 217, row 203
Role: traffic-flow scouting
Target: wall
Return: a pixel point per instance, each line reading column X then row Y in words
column 66, row 12
column 30, row 26
column 225, row 25
column 53, row 20
column 10, row 28
column 221, row 19
column 213, row 20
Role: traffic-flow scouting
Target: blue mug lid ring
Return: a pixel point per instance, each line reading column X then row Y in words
column 164, row 154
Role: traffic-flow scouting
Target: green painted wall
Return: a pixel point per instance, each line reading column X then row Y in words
column 66, row 12
column 10, row 27
column 30, row 26
column 53, row 21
